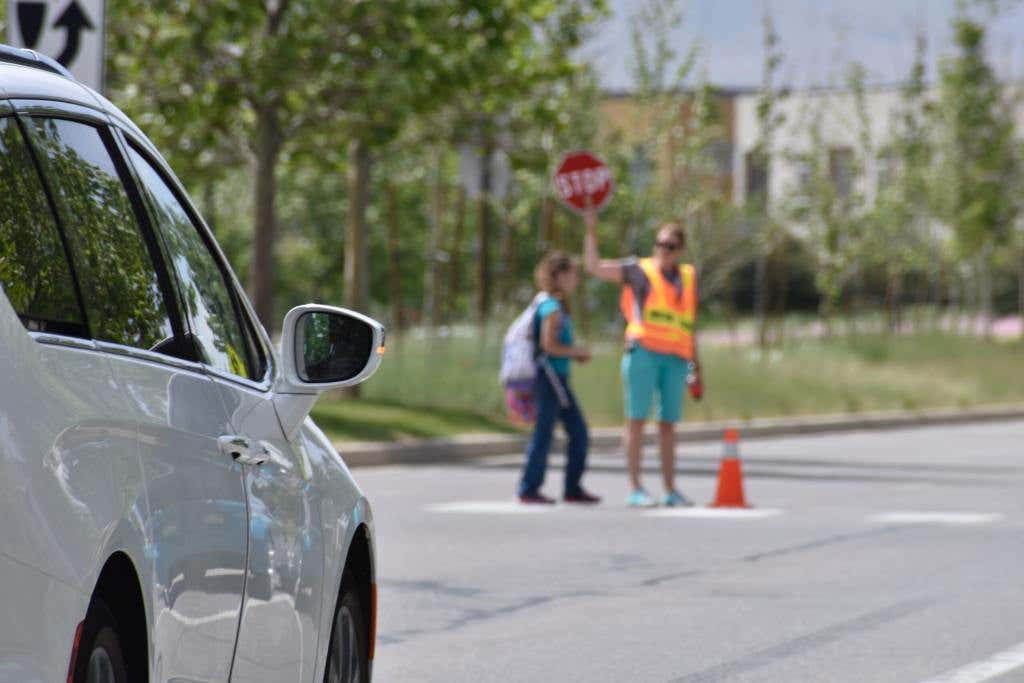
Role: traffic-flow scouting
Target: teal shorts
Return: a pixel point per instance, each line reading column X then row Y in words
column 646, row 372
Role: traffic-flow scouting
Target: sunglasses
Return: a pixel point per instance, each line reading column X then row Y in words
column 668, row 246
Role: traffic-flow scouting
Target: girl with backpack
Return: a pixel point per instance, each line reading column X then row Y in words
column 557, row 276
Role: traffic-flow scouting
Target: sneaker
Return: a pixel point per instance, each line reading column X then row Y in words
column 536, row 499
column 674, row 499
column 582, row 497
column 641, row 499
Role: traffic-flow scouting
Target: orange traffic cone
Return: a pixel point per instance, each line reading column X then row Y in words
column 730, row 475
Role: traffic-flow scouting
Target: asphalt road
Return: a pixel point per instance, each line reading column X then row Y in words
column 875, row 557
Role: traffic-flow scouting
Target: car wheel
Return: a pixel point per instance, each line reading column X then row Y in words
column 100, row 657
column 347, row 659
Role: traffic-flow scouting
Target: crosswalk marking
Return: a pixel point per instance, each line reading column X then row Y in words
column 715, row 513
column 502, row 507
column 985, row 669
column 951, row 518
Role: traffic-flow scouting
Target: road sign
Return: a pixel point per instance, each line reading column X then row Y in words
column 471, row 167
column 582, row 175
column 70, row 31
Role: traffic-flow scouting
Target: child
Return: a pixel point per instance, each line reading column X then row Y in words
column 558, row 276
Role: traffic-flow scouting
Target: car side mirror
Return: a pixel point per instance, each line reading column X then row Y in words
column 323, row 348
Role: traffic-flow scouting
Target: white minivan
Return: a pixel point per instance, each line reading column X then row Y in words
column 168, row 511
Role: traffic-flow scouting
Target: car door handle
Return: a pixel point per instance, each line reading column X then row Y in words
column 242, row 451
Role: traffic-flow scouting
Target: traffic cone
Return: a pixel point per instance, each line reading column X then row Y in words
column 730, row 474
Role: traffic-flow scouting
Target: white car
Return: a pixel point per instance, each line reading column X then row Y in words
column 168, row 511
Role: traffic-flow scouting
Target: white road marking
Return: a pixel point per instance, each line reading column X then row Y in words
column 500, row 507
column 985, row 669
column 715, row 513
column 953, row 518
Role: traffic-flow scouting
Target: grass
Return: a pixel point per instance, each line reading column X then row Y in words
column 445, row 386
column 376, row 420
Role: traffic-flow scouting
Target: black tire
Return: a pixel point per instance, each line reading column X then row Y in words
column 348, row 659
column 100, row 655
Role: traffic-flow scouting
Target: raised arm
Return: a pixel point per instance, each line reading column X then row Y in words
column 610, row 271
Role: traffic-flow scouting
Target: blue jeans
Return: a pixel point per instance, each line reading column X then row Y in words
column 550, row 409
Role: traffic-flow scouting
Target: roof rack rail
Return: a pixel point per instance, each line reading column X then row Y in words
column 26, row 57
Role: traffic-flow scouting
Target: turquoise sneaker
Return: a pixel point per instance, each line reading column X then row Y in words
column 641, row 499
column 674, row 499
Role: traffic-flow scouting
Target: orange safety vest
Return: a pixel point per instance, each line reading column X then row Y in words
column 664, row 323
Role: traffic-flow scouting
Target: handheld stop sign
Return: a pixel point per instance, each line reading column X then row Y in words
column 580, row 176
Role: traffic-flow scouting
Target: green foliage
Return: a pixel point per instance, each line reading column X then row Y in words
column 978, row 143
column 448, row 385
column 34, row 270
column 121, row 292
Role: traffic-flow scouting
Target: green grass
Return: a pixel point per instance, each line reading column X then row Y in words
column 375, row 420
column 440, row 387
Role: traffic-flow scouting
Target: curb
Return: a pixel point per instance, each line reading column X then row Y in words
column 469, row 446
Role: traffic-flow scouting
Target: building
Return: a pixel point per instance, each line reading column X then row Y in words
column 627, row 119
column 840, row 132
column 737, row 169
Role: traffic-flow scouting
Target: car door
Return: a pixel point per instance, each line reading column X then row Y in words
column 277, row 638
column 68, row 461
column 195, row 520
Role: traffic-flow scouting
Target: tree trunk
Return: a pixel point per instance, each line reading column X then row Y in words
column 893, row 294
column 394, row 259
column 781, row 292
column 210, row 204
column 432, row 267
column 1020, row 292
column 356, row 272
column 510, row 256
column 760, row 277
column 261, row 267
column 455, row 260
column 484, row 284
column 987, row 290
column 356, row 243
column 547, row 222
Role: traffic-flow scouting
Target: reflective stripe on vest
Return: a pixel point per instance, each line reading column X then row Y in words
column 664, row 322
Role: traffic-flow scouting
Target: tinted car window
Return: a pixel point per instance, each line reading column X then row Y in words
column 207, row 303
column 34, row 270
column 120, row 287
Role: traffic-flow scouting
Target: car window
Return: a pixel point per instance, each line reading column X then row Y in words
column 34, row 270
column 207, row 303
column 119, row 282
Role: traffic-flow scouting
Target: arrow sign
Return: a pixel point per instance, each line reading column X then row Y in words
column 69, row 31
column 74, row 20
column 31, row 16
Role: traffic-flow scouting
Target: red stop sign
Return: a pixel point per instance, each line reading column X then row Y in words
column 582, row 175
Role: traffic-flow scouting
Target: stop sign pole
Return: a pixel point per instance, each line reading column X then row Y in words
column 583, row 179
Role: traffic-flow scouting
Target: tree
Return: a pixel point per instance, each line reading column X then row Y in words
column 902, row 237
column 769, row 233
column 977, row 155
column 519, row 83
column 230, row 82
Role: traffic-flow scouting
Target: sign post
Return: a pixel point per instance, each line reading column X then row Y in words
column 583, row 177
column 69, row 31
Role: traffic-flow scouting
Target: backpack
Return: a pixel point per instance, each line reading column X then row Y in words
column 519, row 363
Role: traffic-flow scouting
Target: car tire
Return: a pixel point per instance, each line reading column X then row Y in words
column 100, row 657
column 348, row 659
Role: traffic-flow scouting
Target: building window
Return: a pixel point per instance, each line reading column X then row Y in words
column 757, row 177
column 803, row 172
column 720, row 152
column 840, row 170
column 885, row 171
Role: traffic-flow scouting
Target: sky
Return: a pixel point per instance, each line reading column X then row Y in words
column 816, row 36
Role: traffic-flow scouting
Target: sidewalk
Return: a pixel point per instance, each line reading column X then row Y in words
column 466, row 447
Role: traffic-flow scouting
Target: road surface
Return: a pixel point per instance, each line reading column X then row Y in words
column 870, row 557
